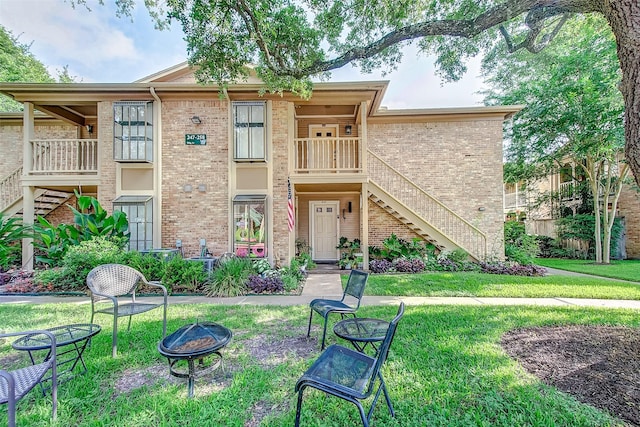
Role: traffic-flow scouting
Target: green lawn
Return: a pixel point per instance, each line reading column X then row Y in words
column 624, row 270
column 492, row 285
column 446, row 368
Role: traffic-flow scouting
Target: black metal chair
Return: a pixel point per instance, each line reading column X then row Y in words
column 14, row 385
column 349, row 374
column 107, row 282
column 348, row 305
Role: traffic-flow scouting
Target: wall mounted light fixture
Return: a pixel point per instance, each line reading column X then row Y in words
column 196, row 120
column 481, row 208
column 347, row 130
column 89, row 128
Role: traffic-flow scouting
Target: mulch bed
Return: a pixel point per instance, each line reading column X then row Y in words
column 598, row 365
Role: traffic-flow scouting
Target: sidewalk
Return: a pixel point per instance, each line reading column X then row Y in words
column 329, row 286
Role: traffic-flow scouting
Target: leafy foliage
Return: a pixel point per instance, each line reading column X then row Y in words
column 512, row 269
column 90, row 220
column 79, row 260
column 582, row 227
column 265, row 284
column 12, row 231
column 229, row 279
column 519, row 246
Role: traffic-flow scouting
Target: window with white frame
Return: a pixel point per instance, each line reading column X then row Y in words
column 133, row 131
column 249, row 131
column 139, row 211
column 249, row 225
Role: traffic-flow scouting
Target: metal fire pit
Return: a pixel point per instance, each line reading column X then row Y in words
column 194, row 342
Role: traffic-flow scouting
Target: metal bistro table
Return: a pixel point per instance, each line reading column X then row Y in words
column 194, row 342
column 362, row 332
column 72, row 340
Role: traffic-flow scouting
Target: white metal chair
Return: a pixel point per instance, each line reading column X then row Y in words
column 107, row 282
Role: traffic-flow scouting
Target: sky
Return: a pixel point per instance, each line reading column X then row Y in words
column 99, row 47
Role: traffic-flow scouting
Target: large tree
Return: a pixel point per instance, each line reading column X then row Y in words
column 573, row 113
column 291, row 40
column 17, row 64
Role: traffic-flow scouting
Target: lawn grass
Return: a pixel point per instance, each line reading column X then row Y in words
column 458, row 284
column 622, row 269
column 446, row 368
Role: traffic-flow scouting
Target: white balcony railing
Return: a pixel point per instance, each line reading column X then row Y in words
column 64, row 156
column 10, row 189
column 515, row 200
column 328, row 155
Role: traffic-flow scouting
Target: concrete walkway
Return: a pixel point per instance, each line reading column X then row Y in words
column 329, row 286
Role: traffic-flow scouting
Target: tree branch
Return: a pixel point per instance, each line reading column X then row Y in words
column 538, row 10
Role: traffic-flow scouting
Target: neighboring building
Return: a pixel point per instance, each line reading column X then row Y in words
column 533, row 205
column 197, row 166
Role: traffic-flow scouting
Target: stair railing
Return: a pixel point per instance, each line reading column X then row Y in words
column 11, row 189
column 427, row 207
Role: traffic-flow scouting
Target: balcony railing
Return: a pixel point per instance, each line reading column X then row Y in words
column 328, row 155
column 64, row 157
column 515, row 200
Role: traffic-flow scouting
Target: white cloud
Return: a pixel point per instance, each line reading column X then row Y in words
column 99, row 47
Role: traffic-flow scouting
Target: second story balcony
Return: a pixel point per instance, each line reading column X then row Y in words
column 64, row 157
column 328, row 156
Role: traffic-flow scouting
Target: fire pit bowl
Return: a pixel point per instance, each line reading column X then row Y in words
column 194, row 342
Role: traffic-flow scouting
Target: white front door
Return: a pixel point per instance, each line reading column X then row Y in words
column 324, row 230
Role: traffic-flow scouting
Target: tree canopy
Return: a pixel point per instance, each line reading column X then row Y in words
column 573, row 113
column 18, row 64
column 289, row 41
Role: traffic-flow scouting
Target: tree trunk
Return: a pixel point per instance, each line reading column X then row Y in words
column 624, row 18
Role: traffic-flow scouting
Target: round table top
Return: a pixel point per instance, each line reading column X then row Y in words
column 361, row 329
column 65, row 334
column 195, row 341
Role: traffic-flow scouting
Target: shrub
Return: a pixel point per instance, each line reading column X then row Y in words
column 380, row 266
column 79, row 261
column 270, row 284
column 183, row 275
column 403, row 265
column 52, row 242
column 519, row 246
column 229, row 279
column 152, row 267
column 292, row 275
column 513, row 270
column 12, row 231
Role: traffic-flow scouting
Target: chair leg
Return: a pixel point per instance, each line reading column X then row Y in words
column 309, row 327
column 324, row 331
column 11, row 397
column 129, row 326
column 114, row 343
column 299, row 407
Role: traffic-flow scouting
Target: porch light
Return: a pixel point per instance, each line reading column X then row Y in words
column 347, row 130
column 90, row 128
column 196, row 120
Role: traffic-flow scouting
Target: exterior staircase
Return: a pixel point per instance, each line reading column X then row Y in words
column 45, row 201
column 421, row 212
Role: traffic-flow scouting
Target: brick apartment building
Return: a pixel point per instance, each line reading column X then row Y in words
column 196, row 166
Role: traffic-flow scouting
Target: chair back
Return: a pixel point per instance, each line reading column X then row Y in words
column 113, row 280
column 355, row 285
column 383, row 350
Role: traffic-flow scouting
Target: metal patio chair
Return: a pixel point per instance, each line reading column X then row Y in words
column 15, row 384
column 349, row 374
column 108, row 282
column 347, row 305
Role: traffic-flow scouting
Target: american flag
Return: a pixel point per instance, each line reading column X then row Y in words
column 291, row 219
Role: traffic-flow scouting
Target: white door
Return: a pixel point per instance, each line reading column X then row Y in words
column 324, row 230
column 322, row 151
